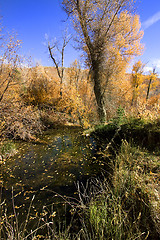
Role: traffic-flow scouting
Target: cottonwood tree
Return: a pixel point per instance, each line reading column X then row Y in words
column 81, row 92
column 75, row 73
column 152, row 81
column 107, row 33
column 58, row 61
column 137, row 79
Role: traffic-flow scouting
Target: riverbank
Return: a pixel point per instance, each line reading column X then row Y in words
column 127, row 205
column 124, row 202
column 26, row 122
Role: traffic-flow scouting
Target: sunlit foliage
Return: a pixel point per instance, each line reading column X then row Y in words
column 109, row 35
column 16, row 119
column 40, row 88
column 153, row 82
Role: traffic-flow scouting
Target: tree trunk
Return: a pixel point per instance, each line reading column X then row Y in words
column 149, row 85
column 99, row 94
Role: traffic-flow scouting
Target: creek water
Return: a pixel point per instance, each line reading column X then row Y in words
column 63, row 157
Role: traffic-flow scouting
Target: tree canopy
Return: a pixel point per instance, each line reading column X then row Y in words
column 109, row 35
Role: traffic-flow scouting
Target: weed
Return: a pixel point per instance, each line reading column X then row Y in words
column 7, row 148
column 127, row 207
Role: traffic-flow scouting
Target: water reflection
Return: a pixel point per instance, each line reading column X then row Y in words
column 64, row 157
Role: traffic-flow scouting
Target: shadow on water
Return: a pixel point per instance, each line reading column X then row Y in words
column 54, row 166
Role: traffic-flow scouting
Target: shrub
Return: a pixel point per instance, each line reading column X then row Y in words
column 19, row 121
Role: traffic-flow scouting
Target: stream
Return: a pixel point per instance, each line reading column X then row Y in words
column 63, row 157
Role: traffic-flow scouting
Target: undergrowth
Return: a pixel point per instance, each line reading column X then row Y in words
column 126, row 207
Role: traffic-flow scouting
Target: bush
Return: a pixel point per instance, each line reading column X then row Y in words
column 19, row 121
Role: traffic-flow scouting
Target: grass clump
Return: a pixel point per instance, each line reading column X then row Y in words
column 7, row 148
column 35, row 225
column 129, row 206
column 124, row 207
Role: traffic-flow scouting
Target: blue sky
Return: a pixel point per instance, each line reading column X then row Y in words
column 33, row 19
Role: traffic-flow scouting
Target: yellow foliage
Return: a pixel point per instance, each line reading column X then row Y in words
column 126, row 44
column 137, row 79
column 77, row 96
column 152, row 77
column 40, row 88
column 148, row 111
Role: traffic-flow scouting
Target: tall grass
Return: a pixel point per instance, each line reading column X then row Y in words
column 128, row 207
column 123, row 206
column 35, row 225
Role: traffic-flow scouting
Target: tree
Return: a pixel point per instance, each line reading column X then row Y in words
column 75, row 73
column 107, row 32
column 136, row 79
column 59, row 64
column 10, row 62
column 152, row 80
column 81, row 90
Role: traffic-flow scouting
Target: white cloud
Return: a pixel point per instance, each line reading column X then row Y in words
column 150, row 21
column 156, row 63
column 147, row 69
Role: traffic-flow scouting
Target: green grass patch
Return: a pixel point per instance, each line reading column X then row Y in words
column 7, row 148
column 128, row 208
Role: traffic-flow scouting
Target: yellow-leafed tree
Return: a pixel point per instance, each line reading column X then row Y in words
column 153, row 81
column 109, row 34
column 137, row 80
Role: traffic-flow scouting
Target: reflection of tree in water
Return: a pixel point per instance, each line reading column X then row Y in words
column 46, row 170
column 57, row 164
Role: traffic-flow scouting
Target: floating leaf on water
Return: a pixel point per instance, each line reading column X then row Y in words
column 39, row 236
column 12, row 176
column 31, row 218
column 16, row 207
column 52, row 215
column 17, row 194
column 26, row 198
column 43, row 188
